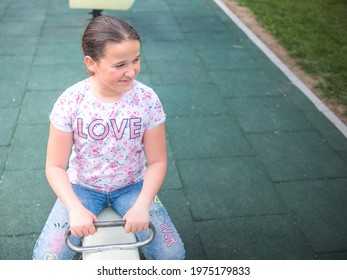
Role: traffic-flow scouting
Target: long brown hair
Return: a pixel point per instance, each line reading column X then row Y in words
column 106, row 29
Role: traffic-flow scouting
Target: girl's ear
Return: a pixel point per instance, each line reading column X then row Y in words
column 90, row 64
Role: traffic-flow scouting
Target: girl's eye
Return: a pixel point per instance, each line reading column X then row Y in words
column 119, row 66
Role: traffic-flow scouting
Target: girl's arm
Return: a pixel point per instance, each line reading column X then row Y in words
column 58, row 152
column 137, row 218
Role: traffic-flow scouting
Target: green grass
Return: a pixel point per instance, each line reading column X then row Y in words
column 314, row 32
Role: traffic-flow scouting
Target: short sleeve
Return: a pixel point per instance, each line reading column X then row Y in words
column 60, row 115
column 156, row 111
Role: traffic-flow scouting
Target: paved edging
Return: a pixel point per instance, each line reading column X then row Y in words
column 291, row 76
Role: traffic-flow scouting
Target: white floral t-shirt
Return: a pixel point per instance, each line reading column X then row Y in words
column 107, row 151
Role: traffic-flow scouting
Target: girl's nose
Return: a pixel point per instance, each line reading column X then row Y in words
column 130, row 73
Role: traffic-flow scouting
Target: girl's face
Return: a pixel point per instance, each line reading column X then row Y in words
column 116, row 70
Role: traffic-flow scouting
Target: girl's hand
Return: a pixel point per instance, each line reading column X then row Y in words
column 82, row 221
column 137, row 219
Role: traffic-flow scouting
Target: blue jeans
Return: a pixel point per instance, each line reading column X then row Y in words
column 166, row 244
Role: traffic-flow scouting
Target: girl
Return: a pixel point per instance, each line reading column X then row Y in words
column 115, row 127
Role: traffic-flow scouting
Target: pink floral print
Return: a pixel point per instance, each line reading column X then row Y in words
column 107, row 153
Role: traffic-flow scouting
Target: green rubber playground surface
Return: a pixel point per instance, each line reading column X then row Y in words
column 256, row 169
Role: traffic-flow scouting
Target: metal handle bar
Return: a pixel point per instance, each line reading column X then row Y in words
column 99, row 248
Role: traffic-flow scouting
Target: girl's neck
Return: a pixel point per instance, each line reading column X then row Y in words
column 104, row 95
